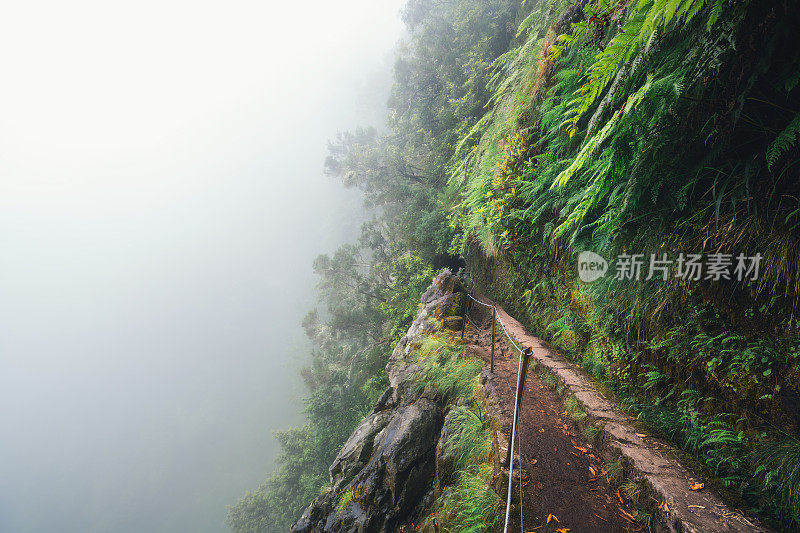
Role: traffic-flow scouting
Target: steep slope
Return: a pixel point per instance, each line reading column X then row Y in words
column 384, row 475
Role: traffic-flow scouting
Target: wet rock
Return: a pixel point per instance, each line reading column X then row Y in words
column 386, row 401
column 407, row 443
column 358, row 449
column 445, row 455
column 399, row 369
column 386, row 468
column 314, row 516
column 386, row 489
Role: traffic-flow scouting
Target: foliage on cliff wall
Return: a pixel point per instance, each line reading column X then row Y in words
column 654, row 127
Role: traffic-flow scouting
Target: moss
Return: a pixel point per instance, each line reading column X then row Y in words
column 344, row 500
column 574, row 409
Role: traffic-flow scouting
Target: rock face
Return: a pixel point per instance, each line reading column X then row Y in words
column 385, row 471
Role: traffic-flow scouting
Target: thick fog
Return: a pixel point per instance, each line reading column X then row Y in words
column 161, row 201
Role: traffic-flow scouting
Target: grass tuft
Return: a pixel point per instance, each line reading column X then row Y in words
column 779, row 474
column 470, row 505
column 614, row 471
column 574, row 409
column 445, row 366
column 469, row 439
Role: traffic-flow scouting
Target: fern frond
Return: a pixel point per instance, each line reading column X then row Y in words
column 716, row 10
column 784, row 141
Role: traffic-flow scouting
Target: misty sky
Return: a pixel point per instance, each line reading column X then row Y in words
column 161, row 201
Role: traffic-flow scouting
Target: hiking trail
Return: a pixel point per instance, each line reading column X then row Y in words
column 567, row 479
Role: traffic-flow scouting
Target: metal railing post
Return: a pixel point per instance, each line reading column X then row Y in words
column 464, row 313
column 494, row 314
column 526, row 354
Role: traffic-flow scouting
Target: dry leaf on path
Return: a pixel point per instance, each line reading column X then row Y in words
column 551, row 517
column 697, row 486
column 627, row 515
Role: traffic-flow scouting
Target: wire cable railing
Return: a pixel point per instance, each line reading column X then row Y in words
column 522, row 372
column 511, row 447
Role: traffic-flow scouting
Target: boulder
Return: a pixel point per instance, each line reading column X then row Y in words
column 406, row 444
column 357, row 450
column 445, row 455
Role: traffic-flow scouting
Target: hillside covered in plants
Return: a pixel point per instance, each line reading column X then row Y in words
column 660, row 135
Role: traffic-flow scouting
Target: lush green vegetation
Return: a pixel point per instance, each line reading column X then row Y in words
column 469, row 503
column 522, row 133
column 654, row 127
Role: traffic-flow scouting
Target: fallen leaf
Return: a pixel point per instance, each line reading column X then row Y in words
column 562, row 530
column 696, row 506
column 551, row 517
column 697, row 486
column 592, row 470
column 663, row 507
column 581, row 449
column 627, row 515
column 641, row 435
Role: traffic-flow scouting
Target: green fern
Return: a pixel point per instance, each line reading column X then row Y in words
column 784, row 141
column 646, row 18
column 716, row 10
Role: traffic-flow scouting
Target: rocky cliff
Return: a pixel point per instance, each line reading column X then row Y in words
column 386, row 474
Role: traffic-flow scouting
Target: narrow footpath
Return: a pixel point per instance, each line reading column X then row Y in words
column 565, row 478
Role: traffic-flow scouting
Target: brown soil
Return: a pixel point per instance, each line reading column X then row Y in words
column 562, row 474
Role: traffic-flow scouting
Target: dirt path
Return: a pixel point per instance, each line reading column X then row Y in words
column 562, row 475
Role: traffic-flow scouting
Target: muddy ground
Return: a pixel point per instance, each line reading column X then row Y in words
column 563, row 478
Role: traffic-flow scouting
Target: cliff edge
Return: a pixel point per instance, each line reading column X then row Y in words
column 385, row 474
